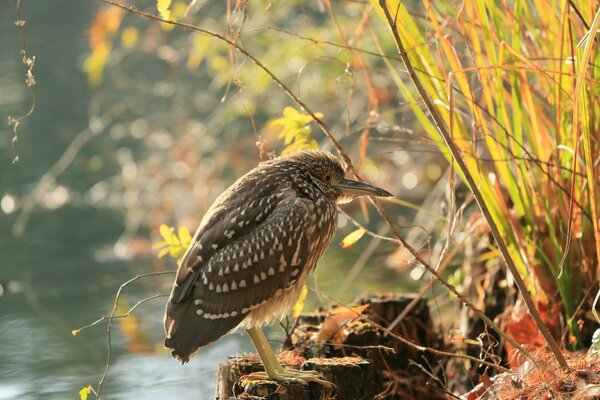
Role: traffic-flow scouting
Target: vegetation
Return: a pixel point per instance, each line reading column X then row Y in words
column 518, row 89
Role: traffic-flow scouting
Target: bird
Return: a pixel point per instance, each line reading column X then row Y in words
column 253, row 251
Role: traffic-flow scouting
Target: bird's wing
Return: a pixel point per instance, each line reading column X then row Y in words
column 240, row 276
column 236, row 212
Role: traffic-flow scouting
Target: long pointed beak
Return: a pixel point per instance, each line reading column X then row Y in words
column 351, row 187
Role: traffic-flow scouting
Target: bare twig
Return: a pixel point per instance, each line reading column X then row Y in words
column 106, row 317
column 29, row 62
column 113, row 316
column 369, row 232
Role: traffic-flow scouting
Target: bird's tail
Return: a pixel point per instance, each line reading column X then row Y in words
column 186, row 331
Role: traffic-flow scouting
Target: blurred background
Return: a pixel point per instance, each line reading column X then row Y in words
column 136, row 125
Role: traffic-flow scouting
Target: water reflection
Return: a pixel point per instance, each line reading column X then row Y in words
column 54, row 285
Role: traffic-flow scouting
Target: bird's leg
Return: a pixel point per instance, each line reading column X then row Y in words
column 274, row 370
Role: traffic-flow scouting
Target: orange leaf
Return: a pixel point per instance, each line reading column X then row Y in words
column 525, row 331
column 332, row 327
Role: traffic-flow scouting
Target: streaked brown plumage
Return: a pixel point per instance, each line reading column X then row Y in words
column 255, row 247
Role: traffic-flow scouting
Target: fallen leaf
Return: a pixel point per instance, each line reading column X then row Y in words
column 332, row 327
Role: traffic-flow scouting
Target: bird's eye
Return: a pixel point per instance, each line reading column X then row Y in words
column 327, row 177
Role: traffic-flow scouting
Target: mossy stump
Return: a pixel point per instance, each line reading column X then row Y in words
column 348, row 347
column 354, row 378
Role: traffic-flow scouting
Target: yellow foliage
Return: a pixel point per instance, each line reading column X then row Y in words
column 295, row 130
column 163, row 7
column 129, row 37
column 84, row 393
column 352, row 238
column 105, row 25
column 299, row 306
column 172, row 243
column 96, row 61
column 171, row 12
column 178, row 10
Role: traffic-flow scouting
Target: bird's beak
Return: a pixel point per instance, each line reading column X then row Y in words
column 353, row 188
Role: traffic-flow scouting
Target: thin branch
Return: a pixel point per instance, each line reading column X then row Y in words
column 29, row 63
column 106, row 317
column 368, row 231
column 112, row 316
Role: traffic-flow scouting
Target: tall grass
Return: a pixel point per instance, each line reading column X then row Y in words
column 518, row 89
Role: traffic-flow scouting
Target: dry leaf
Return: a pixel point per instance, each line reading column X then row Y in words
column 332, row 327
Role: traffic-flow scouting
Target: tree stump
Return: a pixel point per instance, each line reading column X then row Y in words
column 354, row 378
column 348, row 348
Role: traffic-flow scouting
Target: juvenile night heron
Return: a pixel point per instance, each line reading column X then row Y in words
column 253, row 251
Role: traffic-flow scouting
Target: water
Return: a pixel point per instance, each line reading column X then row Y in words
column 54, row 285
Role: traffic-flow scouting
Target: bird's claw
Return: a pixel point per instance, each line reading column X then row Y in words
column 290, row 375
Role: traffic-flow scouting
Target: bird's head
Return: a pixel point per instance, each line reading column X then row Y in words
column 327, row 174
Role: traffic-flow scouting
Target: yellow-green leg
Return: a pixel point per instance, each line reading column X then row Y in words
column 274, row 370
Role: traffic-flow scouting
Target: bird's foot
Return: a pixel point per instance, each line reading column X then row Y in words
column 290, row 375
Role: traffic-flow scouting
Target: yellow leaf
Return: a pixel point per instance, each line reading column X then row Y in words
column 290, row 112
column 295, row 130
column 175, row 251
column 83, row 393
column 198, row 51
column 163, row 252
column 185, row 238
column 158, row 245
column 178, row 10
column 167, row 233
column 163, row 8
column 299, row 306
column 352, row 238
column 173, row 245
column 105, row 25
column 96, row 61
column 312, row 145
column 129, row 37
column 290, row 134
